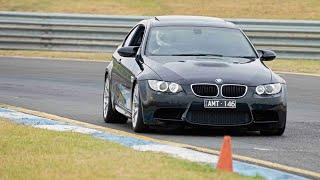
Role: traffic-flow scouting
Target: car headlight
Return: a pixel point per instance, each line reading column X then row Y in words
column 164, row 86
column 268, row 89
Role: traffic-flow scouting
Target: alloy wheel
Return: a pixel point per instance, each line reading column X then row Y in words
column 135, row 107
column 106, row 99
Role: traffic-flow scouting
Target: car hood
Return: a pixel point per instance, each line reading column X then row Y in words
column 188, row 70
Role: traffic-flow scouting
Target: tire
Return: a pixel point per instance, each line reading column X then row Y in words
column 109, row 114
column 136, row 112
column 277, row 132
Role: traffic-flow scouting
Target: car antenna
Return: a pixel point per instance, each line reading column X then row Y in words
column 156, row 18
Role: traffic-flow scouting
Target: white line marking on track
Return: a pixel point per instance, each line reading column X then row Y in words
column 262, row 149
column 69, row 128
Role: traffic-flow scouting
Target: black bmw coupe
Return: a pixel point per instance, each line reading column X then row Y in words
column 193, row 71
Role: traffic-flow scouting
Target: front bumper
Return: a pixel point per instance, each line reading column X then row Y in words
column 259, row 112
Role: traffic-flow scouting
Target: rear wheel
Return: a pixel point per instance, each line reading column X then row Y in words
column 109, row 114
column 136, row 112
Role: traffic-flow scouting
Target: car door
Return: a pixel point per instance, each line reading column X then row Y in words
column 124, row 71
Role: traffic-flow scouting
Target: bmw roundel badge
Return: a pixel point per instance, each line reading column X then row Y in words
column 219, row 81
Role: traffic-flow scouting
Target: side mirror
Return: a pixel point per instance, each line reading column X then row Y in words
column 129, row 51
column 266, row 55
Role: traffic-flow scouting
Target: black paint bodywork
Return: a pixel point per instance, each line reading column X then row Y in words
column 161, row 108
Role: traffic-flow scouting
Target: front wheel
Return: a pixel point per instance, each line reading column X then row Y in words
column 109, row 114
column 136, row 112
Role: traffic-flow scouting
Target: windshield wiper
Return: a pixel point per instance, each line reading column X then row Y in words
column 197, row 54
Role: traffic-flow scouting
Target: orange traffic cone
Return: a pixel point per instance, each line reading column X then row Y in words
column 225, row 158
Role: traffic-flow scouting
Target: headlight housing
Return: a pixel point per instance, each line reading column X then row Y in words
column 268, row 89
column 163, row 86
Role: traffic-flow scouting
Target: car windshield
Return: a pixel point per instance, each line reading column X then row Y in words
column 198, row 41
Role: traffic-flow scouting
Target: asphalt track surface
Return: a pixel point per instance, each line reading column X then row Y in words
column 73, row 89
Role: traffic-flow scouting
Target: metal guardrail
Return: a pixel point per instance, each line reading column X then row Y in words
column 100, row 33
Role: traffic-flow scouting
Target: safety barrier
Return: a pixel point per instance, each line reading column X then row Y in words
column 100, row 33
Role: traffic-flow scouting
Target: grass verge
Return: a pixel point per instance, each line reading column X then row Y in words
column 297, row 66
column 42, row 154
column 275, row 9
column 286, row 65
column 58, row 55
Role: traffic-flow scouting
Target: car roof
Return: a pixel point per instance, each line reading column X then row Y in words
column 190, row 21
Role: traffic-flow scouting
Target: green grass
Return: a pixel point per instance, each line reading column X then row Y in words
column 28, row 153
column 275, row 9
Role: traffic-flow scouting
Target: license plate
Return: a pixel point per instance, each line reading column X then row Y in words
column 220, row 103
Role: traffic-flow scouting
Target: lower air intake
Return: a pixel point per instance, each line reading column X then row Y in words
column 218, row 118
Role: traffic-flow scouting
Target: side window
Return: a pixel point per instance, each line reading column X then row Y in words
column 129, row 37
column 135, row 37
